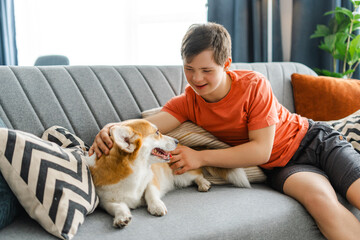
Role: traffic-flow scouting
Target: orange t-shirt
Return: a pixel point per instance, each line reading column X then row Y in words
column 249, row 105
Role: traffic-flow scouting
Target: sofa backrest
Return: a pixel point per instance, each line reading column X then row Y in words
column 85, row 98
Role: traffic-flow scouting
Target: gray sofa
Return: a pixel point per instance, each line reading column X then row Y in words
column 85, row 98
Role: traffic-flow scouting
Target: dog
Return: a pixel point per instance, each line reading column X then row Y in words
column 136, row 171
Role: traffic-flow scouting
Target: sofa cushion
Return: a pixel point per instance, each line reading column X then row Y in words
column 9, row 205
column 191, row 135
column 325, row 98
column 52, row 183
column 350, row 128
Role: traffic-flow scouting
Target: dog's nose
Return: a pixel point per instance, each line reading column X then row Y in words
column 176, row 141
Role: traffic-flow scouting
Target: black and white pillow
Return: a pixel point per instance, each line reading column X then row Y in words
column 64, row 138
column 52, row 183
column 349, row 127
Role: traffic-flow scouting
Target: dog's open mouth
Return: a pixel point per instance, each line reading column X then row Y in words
column 161, row 154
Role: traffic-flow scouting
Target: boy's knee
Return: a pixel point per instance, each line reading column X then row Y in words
column 321, row 201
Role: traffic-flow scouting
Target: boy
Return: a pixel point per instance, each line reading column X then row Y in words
column 301, row 157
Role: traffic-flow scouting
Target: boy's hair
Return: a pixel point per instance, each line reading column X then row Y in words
column 208, row 36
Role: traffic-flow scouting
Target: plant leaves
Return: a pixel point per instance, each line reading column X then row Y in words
column 356, row 3
column 355, row 44
column 344, row 11
column 356, row 16
column 356, row 26
column 343, row 26
column 330, row 42
column 324, row 72
column 340, row 46
column 337, row 38
column 354, row 50
column 349, row 71
column 341, row 37
column 321, row 31
column 324, row 47
column 334, row 23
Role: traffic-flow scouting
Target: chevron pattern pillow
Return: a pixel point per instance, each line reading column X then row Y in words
column 52, row 183
column 350, row 128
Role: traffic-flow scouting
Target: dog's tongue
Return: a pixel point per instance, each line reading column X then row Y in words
column 161, row 153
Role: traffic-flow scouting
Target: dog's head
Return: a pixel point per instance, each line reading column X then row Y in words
column 142, row 139
column 136, row 142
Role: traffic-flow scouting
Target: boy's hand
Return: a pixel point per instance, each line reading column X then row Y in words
column 102, row 143
column 184, row 159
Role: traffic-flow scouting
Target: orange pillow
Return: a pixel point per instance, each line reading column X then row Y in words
column 325, row 98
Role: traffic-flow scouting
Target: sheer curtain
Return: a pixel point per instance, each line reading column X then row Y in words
column 8, row 50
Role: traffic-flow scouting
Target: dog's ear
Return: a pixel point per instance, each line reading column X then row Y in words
column 125, row 138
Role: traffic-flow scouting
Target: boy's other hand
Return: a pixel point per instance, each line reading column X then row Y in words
column 184, row 159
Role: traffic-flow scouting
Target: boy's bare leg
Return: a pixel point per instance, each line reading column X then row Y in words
column 353, row 194
column 316, row 194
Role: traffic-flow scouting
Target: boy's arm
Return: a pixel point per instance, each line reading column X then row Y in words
column 164, row 121
column 255, row 152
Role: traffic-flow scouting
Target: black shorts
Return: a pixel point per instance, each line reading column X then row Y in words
column 324, row 151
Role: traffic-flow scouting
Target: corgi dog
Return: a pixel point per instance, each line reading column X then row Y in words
column 136, row 171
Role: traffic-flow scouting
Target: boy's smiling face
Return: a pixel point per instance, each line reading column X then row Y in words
column 207, row 78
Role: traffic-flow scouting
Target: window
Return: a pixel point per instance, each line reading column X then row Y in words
column 106, row 32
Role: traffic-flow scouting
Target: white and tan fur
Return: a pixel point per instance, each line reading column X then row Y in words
column 133, row 174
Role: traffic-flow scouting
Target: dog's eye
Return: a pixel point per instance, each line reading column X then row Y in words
column 157, row 132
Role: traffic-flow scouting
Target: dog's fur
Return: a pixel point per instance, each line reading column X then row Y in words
column 136, row 172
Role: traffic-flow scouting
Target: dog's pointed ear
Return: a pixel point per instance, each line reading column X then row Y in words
column 125, row 138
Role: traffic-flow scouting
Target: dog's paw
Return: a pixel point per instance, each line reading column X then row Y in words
column 157, row 208
column 122, row 221
column 203, row 185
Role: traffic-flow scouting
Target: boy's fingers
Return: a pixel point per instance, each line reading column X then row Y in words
column 102, row 143
column 101, row 148
column 174, row 152
column 174, row 158
column 175, row 165
column 98, row 154
column 94, row 149
column 104, row 136
column 109, row 143
column 91, row 151
column 180, row 171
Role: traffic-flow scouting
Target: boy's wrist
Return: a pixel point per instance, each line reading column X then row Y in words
column 204, row 159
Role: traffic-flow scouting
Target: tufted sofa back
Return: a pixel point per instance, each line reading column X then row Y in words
column 85, row 98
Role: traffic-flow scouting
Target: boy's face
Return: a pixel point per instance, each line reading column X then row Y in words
column 206, row 77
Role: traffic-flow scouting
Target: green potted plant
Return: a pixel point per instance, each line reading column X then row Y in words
column 339, row 40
